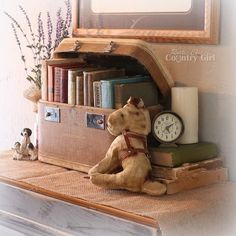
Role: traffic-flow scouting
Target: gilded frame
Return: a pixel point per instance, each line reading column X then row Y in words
column 209, row 34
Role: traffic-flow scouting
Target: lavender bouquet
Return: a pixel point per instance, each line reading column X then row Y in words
column 40, row 42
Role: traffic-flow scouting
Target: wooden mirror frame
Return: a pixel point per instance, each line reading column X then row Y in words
column 209, row 35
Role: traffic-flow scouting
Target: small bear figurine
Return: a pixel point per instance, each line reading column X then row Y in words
column 128, row 152
column 25, row 149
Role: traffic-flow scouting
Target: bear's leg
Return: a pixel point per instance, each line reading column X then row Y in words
column 153, row 188
column 120, row 180
column 106, row 165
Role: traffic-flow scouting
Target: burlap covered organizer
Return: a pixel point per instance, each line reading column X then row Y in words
column 204, row 211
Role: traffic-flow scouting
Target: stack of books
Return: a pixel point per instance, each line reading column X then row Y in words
column 188, row 166
column 115, row 93
column 76, row 84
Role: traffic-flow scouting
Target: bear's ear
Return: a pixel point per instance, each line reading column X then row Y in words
column 137, row 102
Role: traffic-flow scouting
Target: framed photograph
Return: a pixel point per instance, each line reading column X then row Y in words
column 185, row 21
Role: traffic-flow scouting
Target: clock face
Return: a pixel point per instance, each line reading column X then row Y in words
column 167, row 127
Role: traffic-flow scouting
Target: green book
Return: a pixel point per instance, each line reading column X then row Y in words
column 145, row 90
column 185, row 153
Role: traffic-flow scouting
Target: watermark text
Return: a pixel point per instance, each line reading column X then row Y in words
column 178, row 56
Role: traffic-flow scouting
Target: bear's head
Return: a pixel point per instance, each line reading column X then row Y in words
column 133, row 117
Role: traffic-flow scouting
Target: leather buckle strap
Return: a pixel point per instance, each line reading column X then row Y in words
column 131, row 151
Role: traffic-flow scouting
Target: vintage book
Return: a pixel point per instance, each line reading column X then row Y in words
column 63, row 81
column 145, row 90
column 50, row 83
column 91, row 76
column 79, row 84
column 76, row 70
column 57, row 83
column 72, row 75
column 44, row 81
column 200, row 179
column 64, row 85
column 54, row 79
column 97, row 94
column 188, row 169
column 107, row 88
column 185, row 153
column 85, row 84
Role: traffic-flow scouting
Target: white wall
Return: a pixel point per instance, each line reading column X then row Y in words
column 215, row 79
column 15, row 111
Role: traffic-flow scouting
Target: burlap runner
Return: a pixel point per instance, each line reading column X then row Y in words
column 24, row 169
column 205, row 211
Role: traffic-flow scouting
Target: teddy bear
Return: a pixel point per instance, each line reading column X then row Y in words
column 25, row 148
column 128, row 153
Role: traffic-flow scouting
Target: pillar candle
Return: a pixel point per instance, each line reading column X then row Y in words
column 184, row 102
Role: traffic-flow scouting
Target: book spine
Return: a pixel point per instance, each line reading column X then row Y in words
column 90, row 92
column 71, row 87
column 118, row 96
column 50, row 83
column 97, row 94
column 44, row 81
column 108, row 100
column 57, row 80
column 64, row 86
column 103, row 75
column 202, row 178
column 186, row 170
column 86, row 88
column 79, row 90
column 145, row 90
column 199, row 153
column 163, row 172
column 190, row 153
column 107, row 94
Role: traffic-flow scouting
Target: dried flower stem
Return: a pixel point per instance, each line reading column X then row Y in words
column 40, row 44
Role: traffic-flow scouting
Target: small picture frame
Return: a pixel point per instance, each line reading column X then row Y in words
column 192, row 21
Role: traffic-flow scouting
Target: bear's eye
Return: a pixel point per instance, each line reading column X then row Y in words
column 137, row 113
column 122, row 115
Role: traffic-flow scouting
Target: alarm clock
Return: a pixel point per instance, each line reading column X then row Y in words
column 167, row 127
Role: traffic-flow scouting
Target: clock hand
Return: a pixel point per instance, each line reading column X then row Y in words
column 168, row 127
